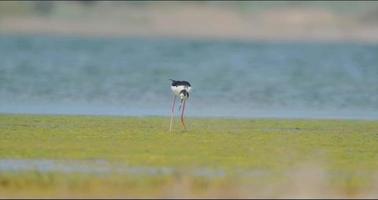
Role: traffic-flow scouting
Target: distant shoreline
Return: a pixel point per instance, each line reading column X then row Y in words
column 190, row 22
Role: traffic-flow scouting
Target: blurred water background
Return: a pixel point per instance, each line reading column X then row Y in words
column 68, row 58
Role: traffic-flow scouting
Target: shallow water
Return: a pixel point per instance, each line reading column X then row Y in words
column 129, row 76
column 102, row 167
column 98, row 167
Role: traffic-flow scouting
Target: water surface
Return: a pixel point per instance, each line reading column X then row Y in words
column 129, row 76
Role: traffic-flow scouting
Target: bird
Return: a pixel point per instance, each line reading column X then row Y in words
column 181, row 90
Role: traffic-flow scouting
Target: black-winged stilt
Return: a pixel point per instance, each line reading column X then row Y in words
column 180, row 89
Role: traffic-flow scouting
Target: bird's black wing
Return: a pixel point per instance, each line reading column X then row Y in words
column 186, row 83
column 174, row 83
column 177, row 83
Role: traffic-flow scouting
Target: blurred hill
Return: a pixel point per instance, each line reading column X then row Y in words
column 260, row 20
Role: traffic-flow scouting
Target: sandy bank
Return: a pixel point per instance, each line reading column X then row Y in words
column 189, row 21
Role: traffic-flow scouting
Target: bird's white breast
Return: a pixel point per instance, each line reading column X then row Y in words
column 177, row 89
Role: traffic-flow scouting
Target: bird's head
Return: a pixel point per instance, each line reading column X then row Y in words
column 184, row 95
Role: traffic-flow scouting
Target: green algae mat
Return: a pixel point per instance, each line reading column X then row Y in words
column 100, row 156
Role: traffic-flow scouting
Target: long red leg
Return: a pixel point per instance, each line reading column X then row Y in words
column 182, row 114
column 173, row 105
column 173, row 113
column 180, row 104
